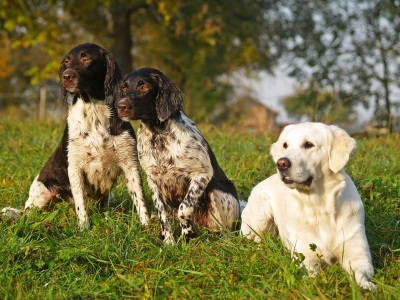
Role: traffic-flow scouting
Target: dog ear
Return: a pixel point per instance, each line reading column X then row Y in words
column 340, row 148
column 169, row 98
column 274, row 151
column 112, row 79
column 62, row 91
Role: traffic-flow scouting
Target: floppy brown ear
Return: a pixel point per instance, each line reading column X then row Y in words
column 340, row 148
column 169, row 98
column 112, row 79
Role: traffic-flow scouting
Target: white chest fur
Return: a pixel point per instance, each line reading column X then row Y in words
column 91, row 148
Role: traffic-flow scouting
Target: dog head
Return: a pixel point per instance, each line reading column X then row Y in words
column 306, row 152
column 148, row 95
column 90, row 72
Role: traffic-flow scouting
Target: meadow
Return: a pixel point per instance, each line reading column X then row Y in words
column 43, row 255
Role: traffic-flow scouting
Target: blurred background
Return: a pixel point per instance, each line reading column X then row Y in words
column 251, row 64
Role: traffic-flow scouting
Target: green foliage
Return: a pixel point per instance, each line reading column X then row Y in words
column 320, row 106
column 192, row 42
column 45, row 256
column 38, row 32
column 347, row 50
column 349, row 47
column 201, row 41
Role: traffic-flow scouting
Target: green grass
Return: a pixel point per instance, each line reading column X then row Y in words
column 44, row 256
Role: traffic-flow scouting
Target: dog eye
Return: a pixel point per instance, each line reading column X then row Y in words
column 67, row 61
column 308, row 145
column 143, row 88
column 285, row 145
column 85, row 59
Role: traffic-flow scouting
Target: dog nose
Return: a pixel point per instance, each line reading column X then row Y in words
column 283, row 164
column 68, row 75
column 124, row 104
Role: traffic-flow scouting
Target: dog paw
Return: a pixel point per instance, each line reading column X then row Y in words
column 11, row 213
column 169, row 240
column 167, row 237
column 144, row 219
column 189, row 231
column 367, row 285
column 84, row 225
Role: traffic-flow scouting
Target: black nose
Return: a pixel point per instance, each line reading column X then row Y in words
column 124, row 105
column 68, row 75
column 283, row 164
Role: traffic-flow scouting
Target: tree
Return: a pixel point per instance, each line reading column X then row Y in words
column 377, row 47
column 196, row 42
column 6, row 69
column 193, row 42
column 350, row 47
column 319, row 106
column 110, row 23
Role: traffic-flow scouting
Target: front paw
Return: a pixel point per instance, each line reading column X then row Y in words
column 84, row 225
column 144, row 219
column 189, row 231
column 167, row 238
column 366, row 284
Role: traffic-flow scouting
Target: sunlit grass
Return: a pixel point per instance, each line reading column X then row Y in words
column 44, row 256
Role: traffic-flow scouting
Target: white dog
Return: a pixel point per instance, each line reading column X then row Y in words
column 311, row 201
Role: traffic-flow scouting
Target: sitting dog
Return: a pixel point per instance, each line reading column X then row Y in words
column 96, row 146
column 182, row 171
column 311, row 200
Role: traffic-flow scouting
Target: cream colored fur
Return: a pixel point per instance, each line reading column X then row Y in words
column 328, row 213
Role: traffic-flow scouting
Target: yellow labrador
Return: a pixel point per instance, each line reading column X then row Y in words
column 312, row 202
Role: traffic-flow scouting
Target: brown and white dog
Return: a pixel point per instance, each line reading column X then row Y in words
column 182, row 171
column 311, row 202
column 97, row 146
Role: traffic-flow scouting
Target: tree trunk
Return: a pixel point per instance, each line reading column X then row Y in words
column 389, row 117
column 121, row 12
column 122, row 45
column 386, row 88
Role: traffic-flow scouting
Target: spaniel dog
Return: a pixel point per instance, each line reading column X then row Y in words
column 96, row 145
column 311, row 202
column 181, row 168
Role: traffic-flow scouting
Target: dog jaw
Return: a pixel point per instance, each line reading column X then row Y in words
column 293, row 184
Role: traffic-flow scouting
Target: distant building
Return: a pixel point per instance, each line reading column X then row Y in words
column 252, row 115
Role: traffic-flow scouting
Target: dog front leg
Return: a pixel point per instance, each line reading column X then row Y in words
column 357, row 261
column 135, row 189
column 162, row 211
column 189, row 205
column 257, row 216
column 77, row 186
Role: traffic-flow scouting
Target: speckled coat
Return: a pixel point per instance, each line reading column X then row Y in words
column 182, row 171
column 96, row 146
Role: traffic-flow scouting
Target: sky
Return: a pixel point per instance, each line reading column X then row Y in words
column 269, row 89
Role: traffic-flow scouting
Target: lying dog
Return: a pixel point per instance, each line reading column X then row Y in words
column 96, row 146
column 181, row 168
column 311, row 200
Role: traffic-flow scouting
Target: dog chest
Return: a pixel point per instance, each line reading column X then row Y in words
column 302, row 225
column 172, row 158
column 91, row 147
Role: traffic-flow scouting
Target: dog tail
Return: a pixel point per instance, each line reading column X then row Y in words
column 11, row 213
